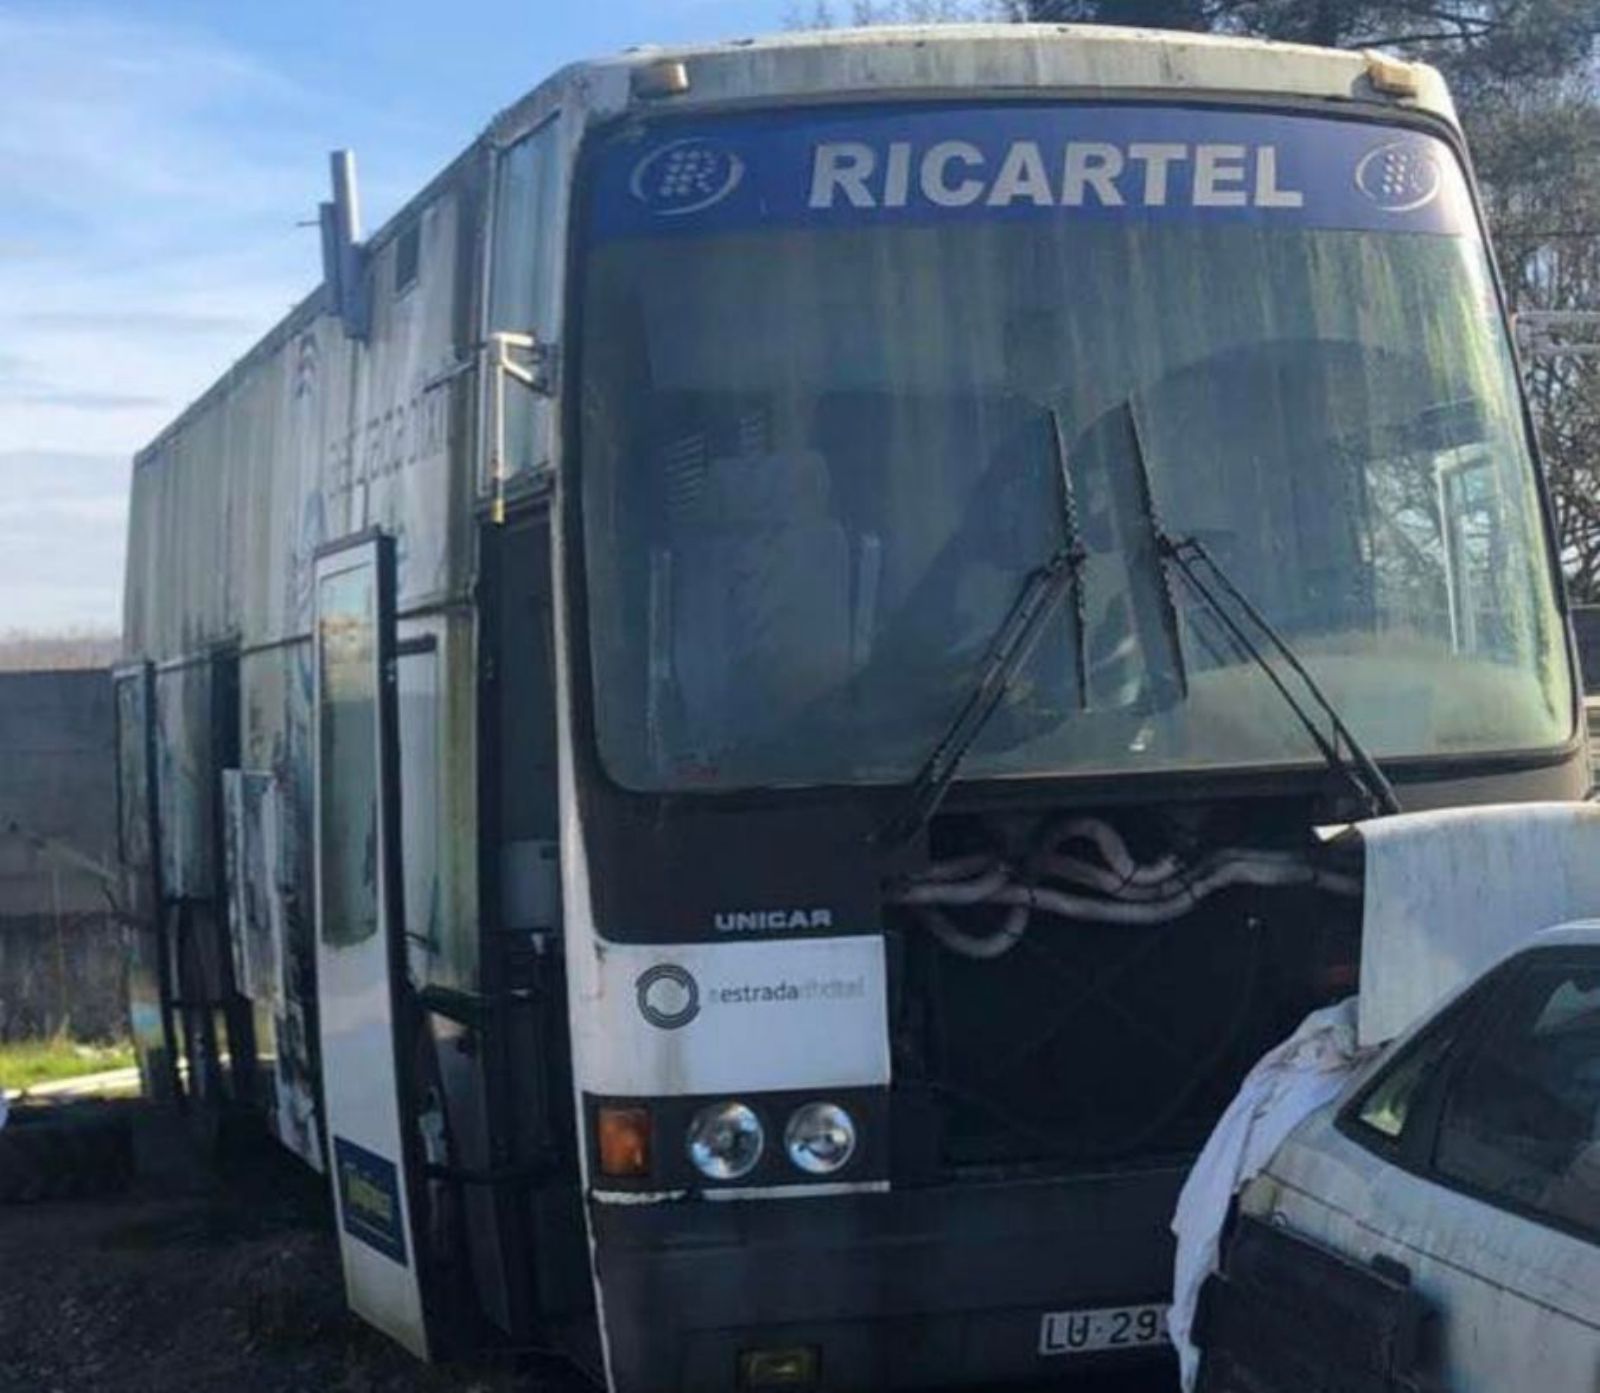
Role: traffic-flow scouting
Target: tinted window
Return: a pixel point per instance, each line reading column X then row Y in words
column 421, row 822
column 133, row 807
column 407, row 258
column 347, row 654
column 185, row 778
column 1393, row 1100
column 523, row 279
column 1522, row 1121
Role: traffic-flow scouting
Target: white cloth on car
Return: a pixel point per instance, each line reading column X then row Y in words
column 1451, row 891
column 1304, row 1073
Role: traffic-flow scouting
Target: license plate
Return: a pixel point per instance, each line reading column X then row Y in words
column 1111, row 1327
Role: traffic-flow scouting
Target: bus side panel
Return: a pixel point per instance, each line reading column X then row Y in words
column 276, row 716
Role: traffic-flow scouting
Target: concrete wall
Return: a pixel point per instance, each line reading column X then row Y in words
column 61, row 957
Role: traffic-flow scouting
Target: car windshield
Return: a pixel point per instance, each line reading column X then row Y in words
column 820, row 355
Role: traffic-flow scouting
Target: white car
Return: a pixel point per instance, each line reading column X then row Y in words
column 1438, row 1227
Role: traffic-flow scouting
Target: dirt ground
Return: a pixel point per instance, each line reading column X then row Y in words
column 216, row 1280
column 202, row 1281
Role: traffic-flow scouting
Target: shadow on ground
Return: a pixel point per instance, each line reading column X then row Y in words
column 215, row 1279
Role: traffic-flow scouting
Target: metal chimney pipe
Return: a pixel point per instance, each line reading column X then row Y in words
column 344, row 258
column 346, row 204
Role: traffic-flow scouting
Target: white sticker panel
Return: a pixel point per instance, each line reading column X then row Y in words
column 664, row 1020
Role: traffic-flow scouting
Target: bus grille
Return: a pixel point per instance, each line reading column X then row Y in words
column 1090, row 1045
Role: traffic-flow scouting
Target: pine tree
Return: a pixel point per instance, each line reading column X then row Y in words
column 1475, row 40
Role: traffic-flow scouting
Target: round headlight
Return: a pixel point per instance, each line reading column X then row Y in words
column 820, row 1138
column 726, row 1140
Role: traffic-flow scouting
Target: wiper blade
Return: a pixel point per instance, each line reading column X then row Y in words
column 1037, row 602
column 1359, row 769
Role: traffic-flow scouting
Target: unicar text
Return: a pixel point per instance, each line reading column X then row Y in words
column 1081, row 173
column 767, row 920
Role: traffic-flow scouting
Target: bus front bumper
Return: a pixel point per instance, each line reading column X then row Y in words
column 915, row 1288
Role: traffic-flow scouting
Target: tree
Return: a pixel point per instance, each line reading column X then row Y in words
column 1538, row 152
column 1145, row 14
column 1502, row 38
column 824, row 14
column 22, row 651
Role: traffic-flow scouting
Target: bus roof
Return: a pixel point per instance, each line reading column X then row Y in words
column 946, row 58
column 901, row 61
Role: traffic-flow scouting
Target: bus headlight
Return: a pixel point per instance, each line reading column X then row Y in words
column 726, row 1140
column 820, row 1138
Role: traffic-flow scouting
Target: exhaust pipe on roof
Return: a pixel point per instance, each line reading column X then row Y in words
column 344, row 259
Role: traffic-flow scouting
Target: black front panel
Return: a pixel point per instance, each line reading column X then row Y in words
column 943, row 1287
column 1102, row 1044
column 1091, row 1040
column 686, row 870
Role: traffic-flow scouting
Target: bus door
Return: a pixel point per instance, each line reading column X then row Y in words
column 149, row 990
column 361, row 945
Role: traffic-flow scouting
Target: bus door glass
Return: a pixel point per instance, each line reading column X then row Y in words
column 361, row 950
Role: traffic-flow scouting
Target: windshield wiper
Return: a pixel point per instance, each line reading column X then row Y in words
column 1357, row 767
column 1036, row 603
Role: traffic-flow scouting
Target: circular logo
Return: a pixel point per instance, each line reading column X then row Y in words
column 1400, row 177
column 669, row 997
column 686, row 176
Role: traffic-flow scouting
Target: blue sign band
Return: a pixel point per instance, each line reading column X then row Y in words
column 883, row 166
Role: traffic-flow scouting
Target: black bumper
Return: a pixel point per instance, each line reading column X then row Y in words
column 921, row 1288
column 1286, row 1314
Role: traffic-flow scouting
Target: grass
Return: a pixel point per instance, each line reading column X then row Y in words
column 24, row 1063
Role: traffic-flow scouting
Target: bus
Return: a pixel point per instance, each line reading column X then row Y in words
column 734, row 725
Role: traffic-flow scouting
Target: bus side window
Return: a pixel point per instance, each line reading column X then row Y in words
column 418, row 710
column 524, row 278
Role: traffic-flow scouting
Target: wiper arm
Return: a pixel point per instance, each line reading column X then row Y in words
column 1358, row 769
column 1037, row 602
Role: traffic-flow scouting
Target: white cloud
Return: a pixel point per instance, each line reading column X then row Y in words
column 62, row 523
column 120, row 110
column 153, row 181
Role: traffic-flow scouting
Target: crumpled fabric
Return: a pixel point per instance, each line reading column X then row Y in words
column 1306, row 1072
column 1451, row 891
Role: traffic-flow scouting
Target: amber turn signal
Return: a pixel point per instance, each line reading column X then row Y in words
column 624, row 1142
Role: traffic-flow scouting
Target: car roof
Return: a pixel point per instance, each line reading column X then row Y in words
column 1580, row 933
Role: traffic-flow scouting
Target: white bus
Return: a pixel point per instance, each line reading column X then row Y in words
column 728, row 724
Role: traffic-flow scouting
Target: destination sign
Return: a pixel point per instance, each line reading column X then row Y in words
column 857, row 167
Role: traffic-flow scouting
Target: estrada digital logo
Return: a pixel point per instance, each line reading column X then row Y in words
column 669, row 997
column 686, row 177
column 1400, row 177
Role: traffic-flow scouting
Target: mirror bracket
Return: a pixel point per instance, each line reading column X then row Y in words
column 526, row 359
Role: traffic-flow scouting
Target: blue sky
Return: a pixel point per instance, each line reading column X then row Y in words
column 155, row 158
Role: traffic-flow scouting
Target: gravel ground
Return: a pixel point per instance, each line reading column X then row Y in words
column 200, row 1281
column 205, row 1281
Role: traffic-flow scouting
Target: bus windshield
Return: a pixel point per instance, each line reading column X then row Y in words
column 821, row 357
